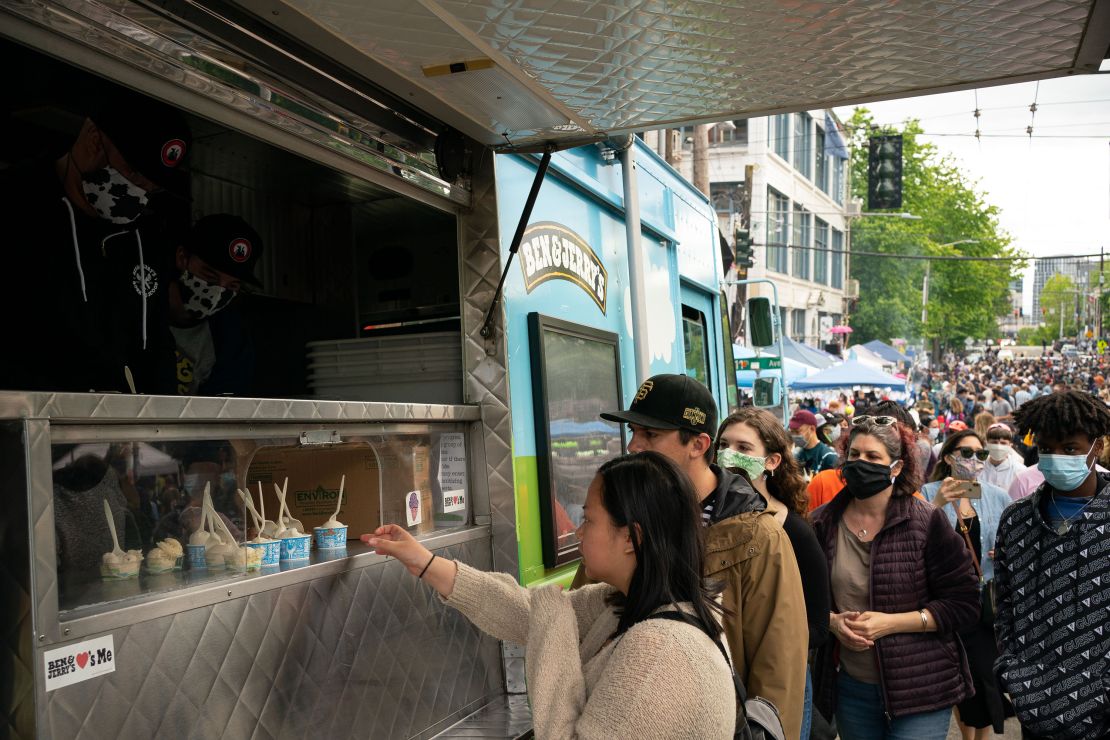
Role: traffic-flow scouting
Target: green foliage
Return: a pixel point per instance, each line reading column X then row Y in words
column 1058, row 301
column 1031, row 336
column 965, row 298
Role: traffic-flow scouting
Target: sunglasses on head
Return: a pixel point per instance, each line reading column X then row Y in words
column 967, row 452
column 879, row 421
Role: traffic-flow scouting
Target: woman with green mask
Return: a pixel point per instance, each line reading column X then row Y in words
column 753, row 442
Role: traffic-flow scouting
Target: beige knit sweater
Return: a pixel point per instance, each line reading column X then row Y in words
column 661, row 679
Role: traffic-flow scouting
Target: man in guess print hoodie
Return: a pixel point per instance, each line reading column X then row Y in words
column 1052, row 576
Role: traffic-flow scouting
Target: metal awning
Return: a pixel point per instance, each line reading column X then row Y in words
column 516, row 73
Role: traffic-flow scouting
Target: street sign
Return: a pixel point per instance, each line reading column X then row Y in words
column 759, row 363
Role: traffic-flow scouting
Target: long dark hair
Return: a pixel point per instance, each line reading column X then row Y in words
column 943, row 469
column 650, row 495
column 787, row 484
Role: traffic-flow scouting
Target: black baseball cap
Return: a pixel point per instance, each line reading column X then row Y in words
column 153, row 137
column 671, row 401
column 228, row 244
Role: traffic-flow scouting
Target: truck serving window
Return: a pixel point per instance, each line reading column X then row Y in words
column 695, row 335
column 576, row 376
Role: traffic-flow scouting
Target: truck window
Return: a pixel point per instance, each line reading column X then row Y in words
column 695, row 335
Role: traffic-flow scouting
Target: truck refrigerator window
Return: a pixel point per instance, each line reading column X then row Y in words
column 576, row 376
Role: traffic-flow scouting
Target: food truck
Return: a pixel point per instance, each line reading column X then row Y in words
column 380, row 270
column 465, row 261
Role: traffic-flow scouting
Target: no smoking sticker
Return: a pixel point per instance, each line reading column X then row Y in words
column 79, row 662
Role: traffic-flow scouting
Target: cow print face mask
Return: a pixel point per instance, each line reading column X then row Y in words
column 202, row 298
column 114, row 197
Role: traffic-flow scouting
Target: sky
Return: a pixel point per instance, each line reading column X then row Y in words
column 1053, row 188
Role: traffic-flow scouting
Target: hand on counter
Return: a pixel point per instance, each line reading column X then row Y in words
column 396, row 542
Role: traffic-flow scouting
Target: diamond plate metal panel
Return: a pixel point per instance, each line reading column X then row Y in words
column 117, row 407
column 487, row 379
column 17, row 678
column 484, row 362
column 626, row 65
column 370, row 653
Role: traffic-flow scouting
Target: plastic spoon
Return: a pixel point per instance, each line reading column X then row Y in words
column 339, row 503
column 245, row 494
column 279, row 524
column 287, row 516
column 116, row 549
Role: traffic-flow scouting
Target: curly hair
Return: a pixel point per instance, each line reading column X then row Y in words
column 787, row 484
column 901, row 444
column 1060, row 415
column 943, row 469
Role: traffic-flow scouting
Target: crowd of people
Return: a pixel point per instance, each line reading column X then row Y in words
column 872, row 570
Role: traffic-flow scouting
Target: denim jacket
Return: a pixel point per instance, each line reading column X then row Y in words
column 989, row 509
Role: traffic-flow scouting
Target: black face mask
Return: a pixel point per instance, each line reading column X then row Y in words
column 865, row 479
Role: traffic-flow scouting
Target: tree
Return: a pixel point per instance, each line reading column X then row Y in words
column 1058, row 301
column 966, row 298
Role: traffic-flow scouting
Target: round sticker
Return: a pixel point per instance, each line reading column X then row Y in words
column 173, row 151
column 240, row 250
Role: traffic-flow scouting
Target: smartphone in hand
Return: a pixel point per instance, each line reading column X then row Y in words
column 969, row 489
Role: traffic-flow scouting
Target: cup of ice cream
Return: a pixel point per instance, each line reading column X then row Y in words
column 270, row 549
column 165, row 557
column 294, row 545
column 114, row 566
column 331, row 535
column 243, row 559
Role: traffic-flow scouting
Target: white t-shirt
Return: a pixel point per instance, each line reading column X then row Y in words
column 1003, row 474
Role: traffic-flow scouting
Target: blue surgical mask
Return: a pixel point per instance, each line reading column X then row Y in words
column 1065, row 472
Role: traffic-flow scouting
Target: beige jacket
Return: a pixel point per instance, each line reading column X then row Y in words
column 768, row 635
column 660, row 679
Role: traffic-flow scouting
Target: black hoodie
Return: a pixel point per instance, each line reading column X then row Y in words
column 71, row 323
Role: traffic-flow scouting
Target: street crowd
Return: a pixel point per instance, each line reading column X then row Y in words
column 871, row 569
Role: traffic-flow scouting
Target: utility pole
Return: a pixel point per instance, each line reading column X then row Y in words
column 1098, row 309
column 701, row 158
column 739, row 315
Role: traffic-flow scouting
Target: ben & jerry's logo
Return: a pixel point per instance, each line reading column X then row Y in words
column 551, row 251
column 695, row 416
column 645, row 388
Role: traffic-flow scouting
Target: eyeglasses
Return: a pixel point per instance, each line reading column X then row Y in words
column 879, row 421
column 967, row 452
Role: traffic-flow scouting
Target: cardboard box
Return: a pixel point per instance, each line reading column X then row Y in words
column 314, row 474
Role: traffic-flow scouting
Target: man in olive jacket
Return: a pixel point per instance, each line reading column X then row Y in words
column 746, row 549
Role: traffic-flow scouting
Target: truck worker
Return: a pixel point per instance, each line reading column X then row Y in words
column 85, row 240
column 214, row 353
column 746, row 548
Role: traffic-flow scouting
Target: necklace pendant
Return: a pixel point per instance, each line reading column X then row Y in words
column 1063, row 528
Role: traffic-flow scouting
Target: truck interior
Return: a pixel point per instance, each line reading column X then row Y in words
column 360, row 289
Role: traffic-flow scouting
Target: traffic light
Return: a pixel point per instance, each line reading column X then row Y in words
column 745, row 252
column 884, row 172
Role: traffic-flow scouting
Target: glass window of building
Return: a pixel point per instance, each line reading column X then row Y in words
column 837, row 190
column 780, row 134
column 820, row 255
column 803, row 144
column 800, row 243
column 837, row 254
column 798, row 324
column 778, row 230
column 726, row 197
column 820, row 173
column 729, row 132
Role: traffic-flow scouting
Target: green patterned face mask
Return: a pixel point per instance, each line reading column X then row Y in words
column 753, row 466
